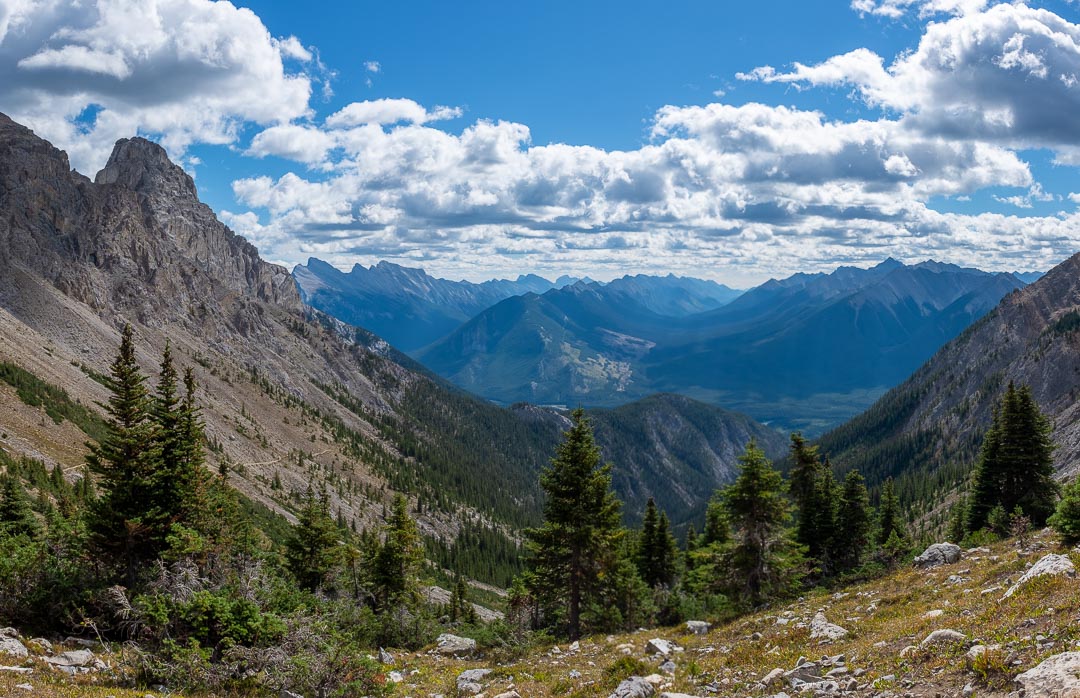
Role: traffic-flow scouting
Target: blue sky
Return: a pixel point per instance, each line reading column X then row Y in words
column 734, row 141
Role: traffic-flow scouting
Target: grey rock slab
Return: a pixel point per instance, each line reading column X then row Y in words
column 939, row 554
column 1049, row 565
column 74, row 658
column 698, row 627
column 1056, row 677
column 634, row 687
column 821, row 628
column 454, row 645
column 660, row 646
column 773, row 678
column 946, row 636
column 13, row 648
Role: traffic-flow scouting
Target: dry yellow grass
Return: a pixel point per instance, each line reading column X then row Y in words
column 883, row 617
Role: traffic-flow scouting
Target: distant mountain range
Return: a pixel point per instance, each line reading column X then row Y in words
column 804, row 352
column 412, row 309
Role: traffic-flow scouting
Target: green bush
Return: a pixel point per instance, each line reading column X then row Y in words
column 1066, row 519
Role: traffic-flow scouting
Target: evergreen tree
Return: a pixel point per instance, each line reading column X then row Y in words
column 646, row 542
column 803, row 477
column 765, row 562
column 124, row 461
column 1015, row 466
column 16, row 516
column 398, row 562
column 313, row 549
column 656, row 548
column 667, row 552
column 717, row 527
column 957, row 528
column 853, row 521
column 580, row 527
column 690, row 545
column 890, row 519
column 814, row 491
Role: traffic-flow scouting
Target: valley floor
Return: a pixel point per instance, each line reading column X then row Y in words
column 883, row 653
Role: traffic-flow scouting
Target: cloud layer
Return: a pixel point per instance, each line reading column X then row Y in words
column 724, row 189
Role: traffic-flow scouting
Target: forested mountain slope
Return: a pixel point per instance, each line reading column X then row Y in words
column 926, row 431
column 291, row 397
column 804, row 352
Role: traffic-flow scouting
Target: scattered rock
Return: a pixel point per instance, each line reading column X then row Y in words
column 395, row 677
column 24, row 687
column 385, row 657
column 820, row 628
column 1050, row 565
column 13, row 648
column 1058, row 676
column 938, row 554
column 468, row 681
column 453, row 645
column 634, row 687
column 17, row 669
column 668, row 667
column 933, row 614
column 284, row 693
column 946, row 636
column 774, row 677
column 698, row 627
column 660, row 646
column 509, row 694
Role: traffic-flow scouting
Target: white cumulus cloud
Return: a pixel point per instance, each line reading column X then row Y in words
column 84, row 74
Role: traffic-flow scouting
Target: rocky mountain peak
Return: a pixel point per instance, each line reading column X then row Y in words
column 144, row 166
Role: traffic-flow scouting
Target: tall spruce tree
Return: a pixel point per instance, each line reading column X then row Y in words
column 813, row 488
column 656, row 548
column 399, row 560
column 765, row 561
column 1015, row 466
column 314, row 548
column 890, row 518
column 580, row 528
column 124, row 460
column 853, row 521
column 16, row 516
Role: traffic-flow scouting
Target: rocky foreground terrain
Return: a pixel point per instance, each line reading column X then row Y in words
column 993, row 621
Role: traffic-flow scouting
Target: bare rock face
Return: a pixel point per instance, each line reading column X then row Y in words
column 1058, row 676
column 137, row 238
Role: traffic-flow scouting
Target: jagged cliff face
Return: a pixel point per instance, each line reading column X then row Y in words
column 137, row 238
column 78, row 259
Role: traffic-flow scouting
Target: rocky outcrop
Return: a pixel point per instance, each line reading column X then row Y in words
column 822, row 629
column 1053, row 565
column 939, row 554
column 1056, row 677
column 455, row 646
column 137, row 237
